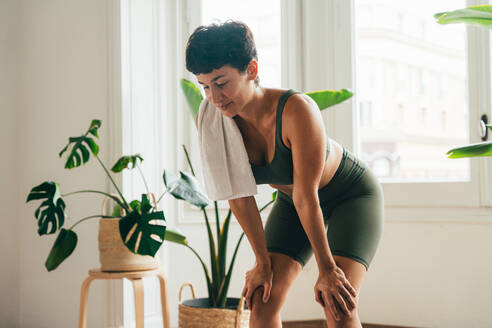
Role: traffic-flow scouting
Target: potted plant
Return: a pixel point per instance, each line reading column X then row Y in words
column 138, row 228
column 480, row 15
column 206, row 310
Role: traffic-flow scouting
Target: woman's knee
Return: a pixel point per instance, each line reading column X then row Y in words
column 270, row 308
column 345, row 321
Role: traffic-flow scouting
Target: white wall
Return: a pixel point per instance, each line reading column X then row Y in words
column 62, row 69
column 9, row 267
column 433, row 274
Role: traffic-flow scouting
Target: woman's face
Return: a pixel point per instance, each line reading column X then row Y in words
column 227, row 89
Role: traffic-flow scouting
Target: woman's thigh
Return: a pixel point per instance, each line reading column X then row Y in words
column 355, row 222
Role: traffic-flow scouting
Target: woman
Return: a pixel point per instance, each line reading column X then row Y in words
column 329, row 203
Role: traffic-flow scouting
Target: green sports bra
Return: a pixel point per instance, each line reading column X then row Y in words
column 280, row 170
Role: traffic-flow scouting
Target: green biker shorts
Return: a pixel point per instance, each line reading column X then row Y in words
column 352, row 207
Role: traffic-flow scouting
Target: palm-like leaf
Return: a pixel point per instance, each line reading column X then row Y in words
column 476, row 15
column 193, row 96
column 185, row 187
column 52, row 210
column 74, row 158
column 328, row 98
column 474, row 150
column 125, row 161
column 62, row 248
column 143, row 232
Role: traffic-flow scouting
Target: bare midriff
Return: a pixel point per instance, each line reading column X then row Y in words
column 331, row 166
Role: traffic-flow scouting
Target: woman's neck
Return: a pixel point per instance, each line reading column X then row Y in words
column 257, row 109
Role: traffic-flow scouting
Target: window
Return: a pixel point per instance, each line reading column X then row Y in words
column 422, row 54
column 443, row 71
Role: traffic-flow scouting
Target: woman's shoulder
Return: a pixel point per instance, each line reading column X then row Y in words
column 301, row 112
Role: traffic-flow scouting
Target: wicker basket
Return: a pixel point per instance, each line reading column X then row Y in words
column 113, row 254
column 193, row 315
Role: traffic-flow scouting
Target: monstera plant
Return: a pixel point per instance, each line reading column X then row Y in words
column 142, row 227
column 219, row 277
column 480, row 15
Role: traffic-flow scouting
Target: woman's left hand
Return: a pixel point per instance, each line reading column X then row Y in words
column 334, row 292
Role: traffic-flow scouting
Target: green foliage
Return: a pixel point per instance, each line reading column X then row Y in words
column 52, row 209
column 476, row 15
column 328, row 98
column 62, row 248
column 192, row 95
column 125, row 161
column 185, row 187
column 77, row 144
column 480, row 149
column 142, row 230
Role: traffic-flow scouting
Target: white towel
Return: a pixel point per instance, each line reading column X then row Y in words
column 227, row 172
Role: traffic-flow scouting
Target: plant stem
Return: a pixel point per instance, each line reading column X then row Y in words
column 165, row 192
column 93, row 216
column 143, row 178
column 188, row 159
column 127, row 207
column 98, row 192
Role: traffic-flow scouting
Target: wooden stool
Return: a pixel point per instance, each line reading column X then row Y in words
column 138, row 288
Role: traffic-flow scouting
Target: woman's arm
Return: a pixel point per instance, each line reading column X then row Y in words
column 246, row 212
column 305, row 132
column 307, row 138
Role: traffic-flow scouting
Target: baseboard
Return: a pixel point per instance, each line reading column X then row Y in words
column 322, row 324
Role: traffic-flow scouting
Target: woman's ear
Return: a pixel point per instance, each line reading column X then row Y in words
column 252, row 69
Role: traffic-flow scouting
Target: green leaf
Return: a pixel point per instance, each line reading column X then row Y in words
column 116, row 210
column 222, row 295
column 328, row 98
column 193, row 96
column 143, row 232
column 125, row 161
column 95, row 125
column 186, row 187
column 52, row 210
column 175, row 237
column 481, row 149
column 475, row 15
column 222, row 251
column 77, row 144
column 64, row 245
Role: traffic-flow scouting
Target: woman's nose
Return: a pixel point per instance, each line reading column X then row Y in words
column 215, row 95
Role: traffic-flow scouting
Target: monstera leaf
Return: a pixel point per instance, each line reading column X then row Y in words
column 125, row 161
column 328, row 98
column 62, row 248
column 193, row 95
column 77, row 143
column 185, row 187
column 143, row 231
column 52, row 210
column 476, row 15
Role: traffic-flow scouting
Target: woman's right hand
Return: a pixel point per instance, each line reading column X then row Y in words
column 260, row 276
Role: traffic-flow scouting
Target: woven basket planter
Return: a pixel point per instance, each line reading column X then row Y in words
column 113, row 254
column 194, row 313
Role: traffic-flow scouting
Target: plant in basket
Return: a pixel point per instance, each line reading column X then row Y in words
column 141, row 226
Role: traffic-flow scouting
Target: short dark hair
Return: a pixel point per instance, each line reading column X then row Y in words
column 212, row 46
